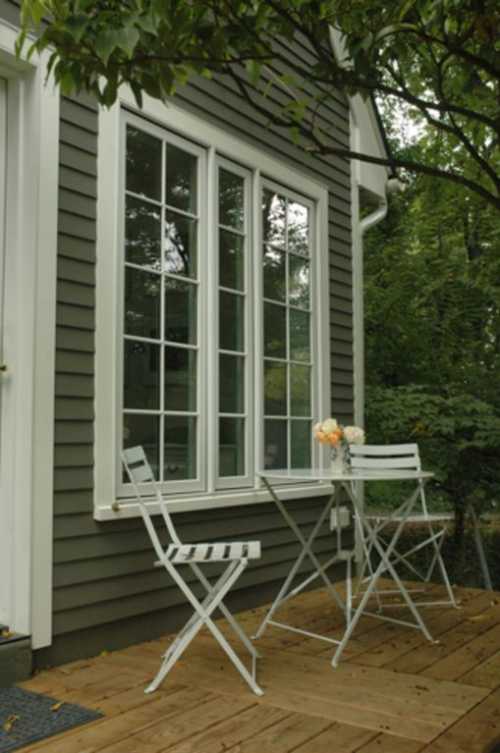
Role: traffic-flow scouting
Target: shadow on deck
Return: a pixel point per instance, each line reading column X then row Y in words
column 393, row 693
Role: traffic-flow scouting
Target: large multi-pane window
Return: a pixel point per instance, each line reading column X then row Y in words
column 218, row 357
column 160, row 322
column 287, row 352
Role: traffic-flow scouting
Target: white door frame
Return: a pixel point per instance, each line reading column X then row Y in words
column 29, row 339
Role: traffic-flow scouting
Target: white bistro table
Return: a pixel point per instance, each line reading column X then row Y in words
column 344, row 482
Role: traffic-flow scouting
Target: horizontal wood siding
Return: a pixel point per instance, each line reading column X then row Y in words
column 106, row 591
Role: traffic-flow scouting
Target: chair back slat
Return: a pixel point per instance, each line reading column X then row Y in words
column 381, row 450
column 139, row 472
column 382, row 463
column 373, row 457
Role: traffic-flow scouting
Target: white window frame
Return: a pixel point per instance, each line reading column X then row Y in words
column 232, row 482
column 218, row 144
column 199, row 482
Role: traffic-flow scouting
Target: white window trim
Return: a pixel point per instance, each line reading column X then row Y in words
column 106, row 504
column 33, row 116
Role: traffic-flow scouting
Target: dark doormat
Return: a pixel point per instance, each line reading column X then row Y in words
column 27, row 717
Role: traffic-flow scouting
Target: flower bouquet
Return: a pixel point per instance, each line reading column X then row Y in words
column 339, row 438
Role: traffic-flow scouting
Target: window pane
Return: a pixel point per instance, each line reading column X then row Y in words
column 299, row 336
column 298, row 282
column 231, row 199
column 142, row 233
column 300, row 388
column 275, row 455
column 180, row 379
column 141, row 378
column 180, row 311
column 143, row 163
column 231, row 384
column 181, row 179
column 180, row 245
column 274, row 330
column 275, row 389
column 232, row 447
column 179, row 459
column 231, row 262
column 142, row 303
column 301, row 444
column 274, row 218
column 231, row 322
column 274, row 274
column 298, row 228
column 145, row 431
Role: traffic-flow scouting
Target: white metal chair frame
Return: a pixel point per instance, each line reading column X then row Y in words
column 236, row 554
column 398, row 457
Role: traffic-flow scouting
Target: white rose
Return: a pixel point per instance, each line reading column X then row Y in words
column 329, row 425
column 354, row 435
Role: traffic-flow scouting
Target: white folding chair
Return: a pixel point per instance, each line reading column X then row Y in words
column 406, row 457
column 176, row 554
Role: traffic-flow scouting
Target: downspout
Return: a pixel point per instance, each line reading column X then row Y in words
column 363, row 225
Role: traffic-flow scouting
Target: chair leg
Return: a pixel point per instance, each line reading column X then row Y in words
column 227, row 614
column 203, row 617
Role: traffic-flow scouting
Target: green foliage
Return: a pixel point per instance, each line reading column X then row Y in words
column 439, row 59
column 433, row 335
column 458, row 435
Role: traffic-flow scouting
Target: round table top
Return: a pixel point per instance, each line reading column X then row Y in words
column 325, row 474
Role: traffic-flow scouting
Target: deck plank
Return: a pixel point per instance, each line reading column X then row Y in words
column 392, row 693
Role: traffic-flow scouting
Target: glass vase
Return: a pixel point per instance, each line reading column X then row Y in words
column 338, row 460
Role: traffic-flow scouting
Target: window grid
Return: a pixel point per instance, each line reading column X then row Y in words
column 162, row 343
column 288, row 362
column 238, row 417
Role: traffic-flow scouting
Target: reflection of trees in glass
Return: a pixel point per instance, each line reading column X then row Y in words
column 142, row 303
column 231, row 262
column 300, row 390
column 301, row 438
column 180, row 311
column 142, row 233
column 179, row 448
column 274, row 330
column 274, row 274
column 299, row 336
column 180, row 245
column 275, row 389
column 231, row 200
column 180, row 379
column 273, row 218
column 181, row 179
column 298, row 227
column 143, row 163
column 141, row 375
column 298, row 281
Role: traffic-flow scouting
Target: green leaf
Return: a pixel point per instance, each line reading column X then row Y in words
column 77, row 26
column 254, row 70
column 127, row 39
column 105, row 44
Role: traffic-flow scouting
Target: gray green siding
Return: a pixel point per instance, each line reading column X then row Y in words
column 106, row 593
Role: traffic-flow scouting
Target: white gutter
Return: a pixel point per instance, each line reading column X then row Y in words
column 359, row 229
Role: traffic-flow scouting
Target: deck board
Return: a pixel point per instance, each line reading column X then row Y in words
column 393, row 693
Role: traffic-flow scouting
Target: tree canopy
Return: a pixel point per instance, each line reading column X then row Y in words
column 435, row 60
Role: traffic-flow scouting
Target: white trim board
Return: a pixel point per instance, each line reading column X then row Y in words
column 262, row 165
column 31, row 269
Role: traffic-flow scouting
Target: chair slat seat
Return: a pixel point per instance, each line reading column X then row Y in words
column 228, row 552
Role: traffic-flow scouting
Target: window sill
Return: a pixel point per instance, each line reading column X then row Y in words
column 128, row 508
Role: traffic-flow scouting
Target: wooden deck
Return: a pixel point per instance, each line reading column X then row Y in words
column 394, row 693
